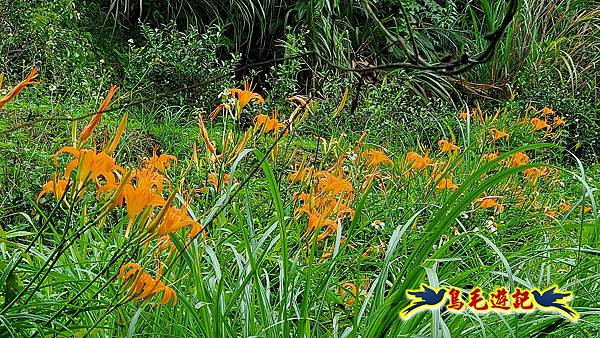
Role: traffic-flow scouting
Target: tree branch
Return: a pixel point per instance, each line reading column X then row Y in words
column 459, row 65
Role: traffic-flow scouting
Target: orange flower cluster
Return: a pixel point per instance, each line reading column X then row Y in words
column 559, row 121
column 417, row 161
column 440, row 177
column 213, row 179
column 499, row 134
column 145, row 192
column 244, row 96
column 447, row 146
column 376, row 157
column 533, row 174
column 265, row 124
column 57, row 186
column 160, row 163
column 446, row 182
column 476, row 114
column 143, row 286
column 489, row 157
column 90, row 165
column 547, row 114
column 142, row 193
column 302, row 174
column 546, row 111
column 539, row 124
column 141, row 190
column 326, row 204
column 491, row 202
column 519, row 159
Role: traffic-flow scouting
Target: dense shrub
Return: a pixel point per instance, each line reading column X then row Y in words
column 68, row 43
column 581, row 109
column 186, row 62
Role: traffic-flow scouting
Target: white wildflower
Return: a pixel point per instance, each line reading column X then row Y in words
column 491, row 225
column 378, row 224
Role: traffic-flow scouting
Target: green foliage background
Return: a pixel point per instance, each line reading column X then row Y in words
column 255, row 276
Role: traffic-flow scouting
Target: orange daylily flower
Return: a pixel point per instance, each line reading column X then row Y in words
column 56, row 186
column 244, row 96
column 446, row 183
column 159, row 163
column 164, row 241
column 266, row 124
column 140, row 197
column 145, row 193
column 489, row 157
column 91, row 165
column 316, row 218
column 376, row 157
column 214, row 180
column 539, row 124
column 535, row 173
column 151, row 178
column 221, row 107
column 475, row 112
column 260, row 121
column 564, row 207
column 491, row 202
column 143, row 286
column 302, row 173
column 350, row 288
column 418, row 162
column 323, row 209
column 518, row 159
column 329, row 183
column 559, row 121
column 546, row 111
column 331, row 227
column 447, row 146
column 109, row 148
column 175, row 219
column 328, row 203
column 209, row 145
column 19, row 87
column 498, row 134
column 273, row 125
column 87, row 130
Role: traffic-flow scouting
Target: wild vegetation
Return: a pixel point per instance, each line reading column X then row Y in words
column 274, row 168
